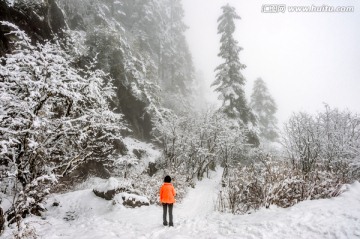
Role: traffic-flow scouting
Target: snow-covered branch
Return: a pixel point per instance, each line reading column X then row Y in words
column 53, row 117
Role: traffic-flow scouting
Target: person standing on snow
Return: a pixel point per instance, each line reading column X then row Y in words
column 167, row 198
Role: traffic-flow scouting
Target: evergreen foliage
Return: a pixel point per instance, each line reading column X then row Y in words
column 142, row 45
column 264, row 107
column 229, row 80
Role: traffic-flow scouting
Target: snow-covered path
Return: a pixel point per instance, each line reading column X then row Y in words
column 94, row 218
column 200, row 201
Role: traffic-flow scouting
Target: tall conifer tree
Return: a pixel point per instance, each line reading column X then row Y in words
column 265, row 108
column 229, row 80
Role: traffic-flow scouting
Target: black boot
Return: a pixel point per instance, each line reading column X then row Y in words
column 171, row 224
column 165, row 223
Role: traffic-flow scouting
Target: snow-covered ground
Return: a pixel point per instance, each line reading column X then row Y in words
column 83, row 215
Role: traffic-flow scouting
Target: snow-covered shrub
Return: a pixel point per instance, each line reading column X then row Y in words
column 270, row 181
column 53, row 117
column 149, row 186
column 27, row 231
column 195, row 143
column 329, row 138
column 241, row 189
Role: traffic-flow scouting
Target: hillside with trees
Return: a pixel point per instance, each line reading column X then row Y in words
column 99, row 98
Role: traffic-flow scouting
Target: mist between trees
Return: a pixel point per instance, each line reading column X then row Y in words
column 116, row 69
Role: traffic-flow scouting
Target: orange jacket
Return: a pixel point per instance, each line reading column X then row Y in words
column 167, row 193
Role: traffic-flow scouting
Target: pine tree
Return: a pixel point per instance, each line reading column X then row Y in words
column 229, row 80
column 265, row 109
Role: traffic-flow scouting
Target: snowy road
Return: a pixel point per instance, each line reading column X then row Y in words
column 89, row 217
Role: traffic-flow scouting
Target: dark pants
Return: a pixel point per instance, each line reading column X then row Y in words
column 165, row 207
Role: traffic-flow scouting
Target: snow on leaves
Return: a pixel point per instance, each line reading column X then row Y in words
column 53, row 118
column 193, row 144
column 331, row 137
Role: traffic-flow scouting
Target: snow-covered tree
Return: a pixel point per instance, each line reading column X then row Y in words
column 301, row 139
column 331, row 138
column 175, row 63
column 194, row 143
column 53, row 117
column 229, row 80
column 142, row 45
column 264, row 107
column 340, row 134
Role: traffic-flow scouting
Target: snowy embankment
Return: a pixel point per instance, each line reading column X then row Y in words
column 83, row 215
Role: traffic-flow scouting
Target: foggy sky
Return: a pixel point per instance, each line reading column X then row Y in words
column 306, row 59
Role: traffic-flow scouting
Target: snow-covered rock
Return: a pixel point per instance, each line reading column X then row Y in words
column 121, row 192
column 131, row 200
column 110, row 188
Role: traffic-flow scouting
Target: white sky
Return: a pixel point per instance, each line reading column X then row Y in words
column 306, row 59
